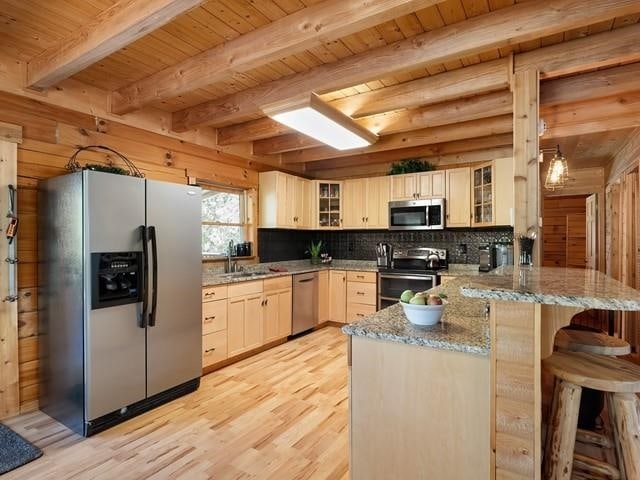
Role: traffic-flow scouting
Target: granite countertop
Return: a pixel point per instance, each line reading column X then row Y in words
column 464, row 326
column 460, row 270
column 215, row 275
column 571, row 287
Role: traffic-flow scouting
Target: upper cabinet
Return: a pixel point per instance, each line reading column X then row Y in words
column 414, row 186
column 482, row 195
column 328, row 205
column 366, row 203
column 458, row 204
column 285, row 201
column 503, row 192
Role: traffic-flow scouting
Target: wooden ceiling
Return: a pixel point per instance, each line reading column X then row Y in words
column 476, row 108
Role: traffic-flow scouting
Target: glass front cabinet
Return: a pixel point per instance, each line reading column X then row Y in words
column 328, row 212
column 482, row 185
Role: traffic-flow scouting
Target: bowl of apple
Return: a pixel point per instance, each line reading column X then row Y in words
column 422, row 308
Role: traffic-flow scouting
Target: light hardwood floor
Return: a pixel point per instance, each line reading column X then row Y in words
column 279, row 415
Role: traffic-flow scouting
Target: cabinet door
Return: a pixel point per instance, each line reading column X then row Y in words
column 290, row 201
column 303, row 203
column 403, row 187
column 439, row 184
column 482, row 192
column 458, row 198
column 377, row 208
column 280, row 202
column 338, row 295
column 353, row 205
column 504, row 191
column 235, row 325
column 328, row 211
column 424, row 183
column 253, row 321
column 270, row 317
column 323, row 297
column 244, row 326
column 284, row 313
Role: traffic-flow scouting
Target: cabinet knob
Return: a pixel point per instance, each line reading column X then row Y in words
column 359, row 293
column 209, row 350
column 209, row 319
column 209, row 294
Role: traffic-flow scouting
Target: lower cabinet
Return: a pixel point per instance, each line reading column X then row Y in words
column 276, row 315
column 338, row 296
column 323, row 296
column 214, row 325
column 361, row 295
column 245, row 323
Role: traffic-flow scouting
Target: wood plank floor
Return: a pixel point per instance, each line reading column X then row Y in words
column 279, row 415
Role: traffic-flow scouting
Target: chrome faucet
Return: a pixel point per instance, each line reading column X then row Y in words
column 228, row 267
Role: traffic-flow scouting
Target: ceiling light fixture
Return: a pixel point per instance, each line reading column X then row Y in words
column 558, row 173
column 313, row 117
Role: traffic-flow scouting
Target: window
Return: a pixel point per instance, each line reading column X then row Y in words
column 223, row 219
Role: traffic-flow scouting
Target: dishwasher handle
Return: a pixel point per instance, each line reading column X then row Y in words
column 305, row 280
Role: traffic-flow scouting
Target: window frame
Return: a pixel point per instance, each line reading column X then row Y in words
column 245, row 216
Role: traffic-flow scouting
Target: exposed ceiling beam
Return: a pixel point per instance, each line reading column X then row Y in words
column 601, row 83
column 462, row 110
column 119, row 25
column 425, row 136
column 433, row 150
column 464, row 82
column 521, row 22
column 306, row 28
column 453, row 159
column 605, row 49
column 592, row 116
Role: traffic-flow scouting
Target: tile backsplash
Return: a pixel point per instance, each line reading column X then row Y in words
column 276, row 245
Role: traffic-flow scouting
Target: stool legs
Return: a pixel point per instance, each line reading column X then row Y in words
column 561, row 436
column 626, row 423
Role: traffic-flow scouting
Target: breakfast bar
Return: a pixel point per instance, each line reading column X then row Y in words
column 489, row 347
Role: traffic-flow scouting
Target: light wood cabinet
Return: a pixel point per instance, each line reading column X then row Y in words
column 285, row 201
column 361, row 295
column 338, row 295
column 414, row 186
column 458, row 204
column 214, row 325
column 366, row 203
column 327, row 210
column 503, row 191
column 277, row 305
column 354, row 202
column 482, row 195
column 214, row 348
column 323, row 297
column 245, row 323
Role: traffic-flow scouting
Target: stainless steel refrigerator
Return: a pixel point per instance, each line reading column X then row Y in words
column 120, row 307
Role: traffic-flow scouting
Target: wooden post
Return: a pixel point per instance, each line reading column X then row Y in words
column 526, row 102
column 626, row 420
column 9, row 383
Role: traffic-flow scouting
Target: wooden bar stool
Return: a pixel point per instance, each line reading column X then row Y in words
column 620, row 380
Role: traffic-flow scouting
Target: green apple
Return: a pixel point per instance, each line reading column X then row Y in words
column 418, row 300
column 406, row 296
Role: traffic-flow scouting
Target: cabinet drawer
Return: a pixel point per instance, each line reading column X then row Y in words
column 278, row 283
column 245, row 288
column 362, row 293
column 366, row 277
column 214, row 348
column 214, row 316
column 356, row 311
column 214, row 293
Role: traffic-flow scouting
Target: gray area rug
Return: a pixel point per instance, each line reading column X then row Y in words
column 15, row 451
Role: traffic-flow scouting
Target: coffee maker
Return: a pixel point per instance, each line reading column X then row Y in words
column 384, row 254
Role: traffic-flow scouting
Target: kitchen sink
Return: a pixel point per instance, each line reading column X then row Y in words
column 243, row 274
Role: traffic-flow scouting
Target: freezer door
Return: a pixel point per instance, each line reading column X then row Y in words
column 114, row 210
column 174, row 334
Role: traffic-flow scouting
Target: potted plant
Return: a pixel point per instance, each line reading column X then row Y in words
column 314, row 251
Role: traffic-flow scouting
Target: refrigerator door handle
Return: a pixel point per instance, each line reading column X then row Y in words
column 145, row 276
column 154, row 294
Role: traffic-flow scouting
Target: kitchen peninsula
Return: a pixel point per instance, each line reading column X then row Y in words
column 417, row 383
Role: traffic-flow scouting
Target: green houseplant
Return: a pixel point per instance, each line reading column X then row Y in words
column 410, row 165
column 314, row 251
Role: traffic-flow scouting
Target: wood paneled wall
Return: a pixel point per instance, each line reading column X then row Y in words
column 564, row 235
column 51, row 135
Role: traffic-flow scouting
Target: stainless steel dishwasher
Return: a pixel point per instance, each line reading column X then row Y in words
column 305, row 302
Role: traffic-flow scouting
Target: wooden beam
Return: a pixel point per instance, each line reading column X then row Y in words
column 425, row 136
column 250, row 131
column 430, row 151
column 605, row 49
column 587, row 86
column 119, row 25
column 304, row 29
column 441, row 161
column 592, row 116
column 10, row 132
column 456, row 111
column 521, row 22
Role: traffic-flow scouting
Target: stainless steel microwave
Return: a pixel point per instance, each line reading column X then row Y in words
column 417, row 214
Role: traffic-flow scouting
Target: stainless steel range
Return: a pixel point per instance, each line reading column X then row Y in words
column 414, row 268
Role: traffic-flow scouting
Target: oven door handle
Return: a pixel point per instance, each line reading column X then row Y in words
column 411, row 277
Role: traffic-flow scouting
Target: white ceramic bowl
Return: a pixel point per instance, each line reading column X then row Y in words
column 423, row 314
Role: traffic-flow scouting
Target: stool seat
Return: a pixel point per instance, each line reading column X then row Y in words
column 607, row 374
column 591, row 342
